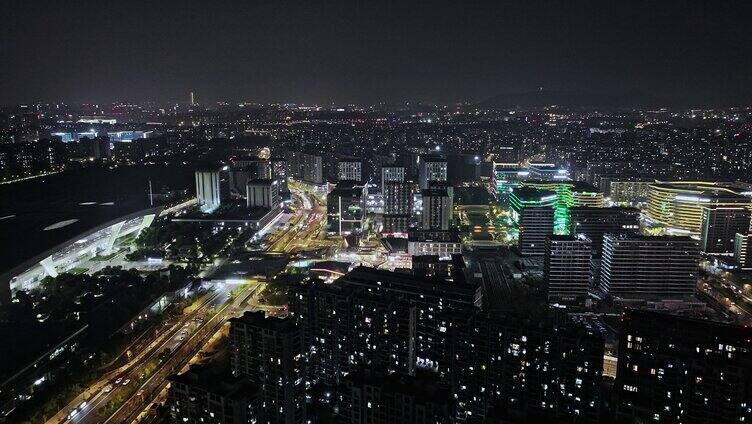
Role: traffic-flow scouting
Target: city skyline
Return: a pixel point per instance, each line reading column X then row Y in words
column 423, row 212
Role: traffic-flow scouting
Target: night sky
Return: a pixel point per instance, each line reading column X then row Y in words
column 682, row 52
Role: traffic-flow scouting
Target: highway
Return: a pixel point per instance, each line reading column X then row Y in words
column 133, row 386
column 123, row 381
column 150, row 388
column 306, row 224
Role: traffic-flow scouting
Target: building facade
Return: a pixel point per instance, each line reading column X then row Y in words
column 263, row 193
column 398, row 206
column 649, row 267
column 345, row 206
column 679, row 205
column 431, row 168
column 595, row 222
column 207, row 190
column 437, row 209
column 676, row 369
column 719, row 227
column 350, row 169
column 269, row 352
column 566, row 269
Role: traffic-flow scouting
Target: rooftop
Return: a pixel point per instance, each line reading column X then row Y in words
column 216, row 380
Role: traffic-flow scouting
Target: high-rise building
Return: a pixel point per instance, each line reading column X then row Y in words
column 569, row 194
column 649, row 267
column 567, row 267
column 279, row 173
column 464, row 168
column 437, row 208
column 350, row 169
column 242, row 169
column 345, row 208
column 510, row 369
column 312, row 168
column 720, row 225
column 532, row 213
column 269, row 352
column 99, row 147
column 204, row 394
column 371, row 396
column 595, row 222
column 398, row 206
column 431, row 168
column 390, row 174
column 387, row 320
column 679, row 205
column 294, row 161
column 263, row 193
column 535, row 224
column 495, row 368
column 256, row 167
column 207, row 189
column 677, row 369
column 743, row 250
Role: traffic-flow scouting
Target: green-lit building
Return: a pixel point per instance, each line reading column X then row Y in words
column 568, row 194
column 532, row 211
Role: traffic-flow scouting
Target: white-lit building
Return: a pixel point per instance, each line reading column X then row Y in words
column 263, row 193
column 742, row 252
column 207, row 190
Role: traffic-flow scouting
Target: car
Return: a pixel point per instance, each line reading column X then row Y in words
column 107, row 388
column 118, row 380
column 73, row 413
column 125, row 383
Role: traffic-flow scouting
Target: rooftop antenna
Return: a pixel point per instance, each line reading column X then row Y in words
column 151, row 194
column 193, row 99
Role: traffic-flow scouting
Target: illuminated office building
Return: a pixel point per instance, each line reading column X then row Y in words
column 398, row 206
column 628, row 191
column 569, row 194
column 345, row 208
column 679, row 205
column 263, row 193
column 567, row 267
column 279, row 172
column 649, row 267
column 533, row 214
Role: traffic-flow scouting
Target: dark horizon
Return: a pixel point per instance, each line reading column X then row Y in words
column 676, row 53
